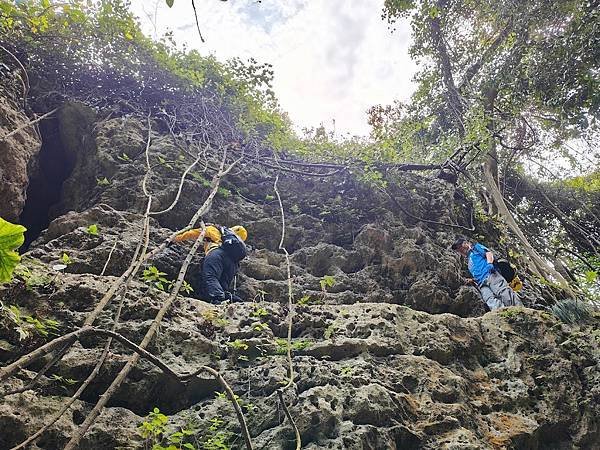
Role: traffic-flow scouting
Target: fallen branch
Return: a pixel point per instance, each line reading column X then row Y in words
column 181, row 181
column 109, row 256
column 89, row 331
column 289, row 416
column 289, row 283
column 421, row 219
column 28, row 124
column 86, row 383
column 107, row 297
column 118, row 380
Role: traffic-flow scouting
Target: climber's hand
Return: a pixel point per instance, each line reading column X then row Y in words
column 470, row 282
column 232, row 297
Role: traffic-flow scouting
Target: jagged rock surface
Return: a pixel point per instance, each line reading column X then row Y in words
column 379, row 361
column 17, row 154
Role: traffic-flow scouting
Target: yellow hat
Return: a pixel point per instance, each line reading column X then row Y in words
column 240, row 231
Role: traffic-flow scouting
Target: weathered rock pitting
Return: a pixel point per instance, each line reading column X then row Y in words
column 396, row 354
column 17, row 155
column 368, row 375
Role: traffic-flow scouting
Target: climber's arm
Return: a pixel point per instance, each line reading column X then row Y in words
column 188, row 235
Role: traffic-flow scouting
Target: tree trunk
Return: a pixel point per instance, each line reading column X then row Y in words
column 490, row 175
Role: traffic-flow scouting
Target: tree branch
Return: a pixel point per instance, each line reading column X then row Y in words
column 28, row 124
column 289, row 416
column 289, row 283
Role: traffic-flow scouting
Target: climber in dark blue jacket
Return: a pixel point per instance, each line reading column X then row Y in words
column 224, row 249
column 218, row 271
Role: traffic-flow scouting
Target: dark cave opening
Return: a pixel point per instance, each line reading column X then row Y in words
column 54, row 165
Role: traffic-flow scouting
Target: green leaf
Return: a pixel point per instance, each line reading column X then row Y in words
column 102, row 181
column 327, row 281
column 93, row 229
column 66, row 259
column 591, row 276
column 170, row 3
column 11, row 238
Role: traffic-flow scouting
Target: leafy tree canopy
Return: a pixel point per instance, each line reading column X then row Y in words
column 531, row 68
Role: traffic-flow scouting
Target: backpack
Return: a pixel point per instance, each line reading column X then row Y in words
column 509, row 273
column 232, row 244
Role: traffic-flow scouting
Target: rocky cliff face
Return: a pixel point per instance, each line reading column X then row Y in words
column 396, row 353
column 17, row 155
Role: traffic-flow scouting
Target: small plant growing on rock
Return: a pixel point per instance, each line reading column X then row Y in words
column 217, row 438
column 221, row 396
column 282, row 345
column 33, row 278
column 163, row 162
column 102, row 181
column 64, row 383
column 155, row 278
column 305, row 300
column 510, row 313
column 331, row 331
column 187, row 287
column 259, row 312
column 154, row 431
column 326, row 281
column 260, row 326
column 238, row 345
column 124, row 157
column 154, row 426
column 346, row 371
column 26, row 325
column 93, row 229
column 66, row 259
column 214, row 317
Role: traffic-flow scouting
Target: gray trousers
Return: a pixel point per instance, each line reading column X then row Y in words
column 497, row 293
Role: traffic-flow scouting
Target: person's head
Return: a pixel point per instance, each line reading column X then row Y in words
column 241, row 232
column 462, row 246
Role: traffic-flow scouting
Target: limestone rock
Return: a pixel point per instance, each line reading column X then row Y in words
column 17, row 158
column 392, row 352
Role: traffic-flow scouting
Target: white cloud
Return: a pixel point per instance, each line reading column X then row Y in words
column 333, row 59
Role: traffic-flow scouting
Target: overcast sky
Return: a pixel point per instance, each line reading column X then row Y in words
column 333, row 59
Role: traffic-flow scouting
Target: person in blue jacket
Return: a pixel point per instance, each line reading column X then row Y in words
column 494, row 289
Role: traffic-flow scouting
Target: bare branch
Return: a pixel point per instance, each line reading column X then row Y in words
column 176, row 199
column 289, row 416
column 118, row 380
column 24, row 82
column 290, row 316
column 28, row 124
column 197, row 24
